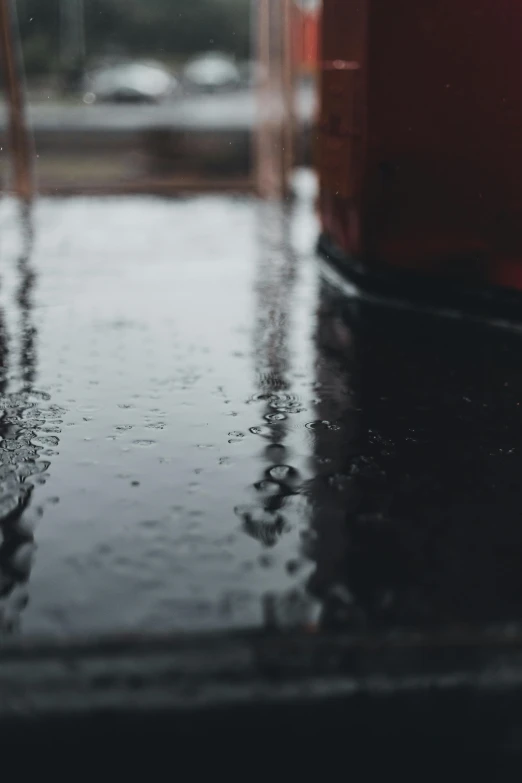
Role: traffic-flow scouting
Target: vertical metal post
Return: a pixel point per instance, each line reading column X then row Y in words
column 261, row 15
column 288, row 94
column 20, row 137
column 276, row 117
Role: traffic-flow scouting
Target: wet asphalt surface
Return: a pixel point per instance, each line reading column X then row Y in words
column 200, row 430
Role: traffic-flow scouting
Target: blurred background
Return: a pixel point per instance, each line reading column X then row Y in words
column 160, row 96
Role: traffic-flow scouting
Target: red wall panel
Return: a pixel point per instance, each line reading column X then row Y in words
column 429, row 175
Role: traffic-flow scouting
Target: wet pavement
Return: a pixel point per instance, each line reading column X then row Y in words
column 201, row 431
column 139, row 335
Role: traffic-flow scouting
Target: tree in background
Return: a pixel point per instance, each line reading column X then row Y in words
column 169, row 30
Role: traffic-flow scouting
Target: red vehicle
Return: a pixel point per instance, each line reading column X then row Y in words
column 420, row 152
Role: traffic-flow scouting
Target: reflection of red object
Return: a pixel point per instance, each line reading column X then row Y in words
column 420, row 150
column 306, row 38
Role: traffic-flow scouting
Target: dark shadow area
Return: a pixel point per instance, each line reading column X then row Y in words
column 419, row 507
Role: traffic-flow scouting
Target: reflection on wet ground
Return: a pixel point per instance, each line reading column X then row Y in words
column 147, row 353
column 426, row 530
column 199, row 431
column 26, row 443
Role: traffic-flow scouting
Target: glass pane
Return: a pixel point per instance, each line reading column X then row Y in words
column 133, row 97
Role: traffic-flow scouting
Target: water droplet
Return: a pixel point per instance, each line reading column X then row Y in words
column 282, row 472
column 144, row 443
column 265, row 432
column 123, row 427
column 235, row 436
column 40, row 395
column 265, row 526
column 322, row 425
column 260, row 397
column 275, row 417
column 268, row 487
column 288, row 406
column 32, row 467
column 48, row 440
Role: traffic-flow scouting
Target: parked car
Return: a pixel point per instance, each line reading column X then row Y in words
column 211, row 72
column 133, row 82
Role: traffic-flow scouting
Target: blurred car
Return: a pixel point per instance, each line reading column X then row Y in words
column 211, row 72
column 130, row 83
